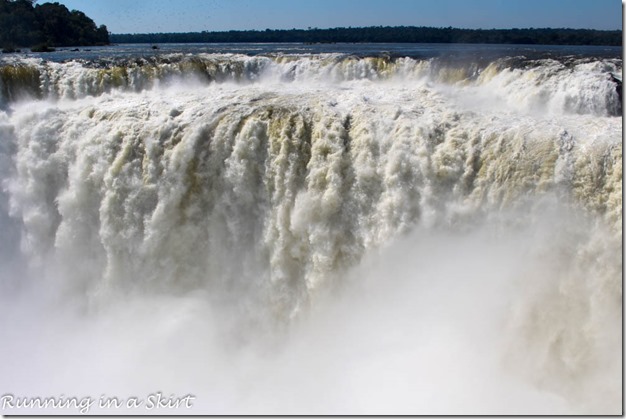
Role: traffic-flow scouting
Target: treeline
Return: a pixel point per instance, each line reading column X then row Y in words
column 24, row 24
column 399, row 34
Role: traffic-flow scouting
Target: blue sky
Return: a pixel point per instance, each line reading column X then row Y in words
column 143, row 16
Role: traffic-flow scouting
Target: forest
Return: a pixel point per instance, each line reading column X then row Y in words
column 24, row 24
column 397, row 34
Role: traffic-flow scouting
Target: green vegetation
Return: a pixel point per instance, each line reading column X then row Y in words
column 47, row 25
column 389, row 34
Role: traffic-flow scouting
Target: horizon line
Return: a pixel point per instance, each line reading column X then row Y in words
column 367, row 27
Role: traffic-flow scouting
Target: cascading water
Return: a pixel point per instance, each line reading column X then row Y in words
column 314, row 234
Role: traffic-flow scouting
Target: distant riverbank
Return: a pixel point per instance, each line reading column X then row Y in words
column 380, row 34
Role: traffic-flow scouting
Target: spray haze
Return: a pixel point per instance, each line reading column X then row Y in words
column 325, row 235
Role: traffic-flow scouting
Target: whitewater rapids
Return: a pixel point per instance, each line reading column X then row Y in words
column 314, row 234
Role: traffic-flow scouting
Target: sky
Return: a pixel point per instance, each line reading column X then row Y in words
column 151, row 16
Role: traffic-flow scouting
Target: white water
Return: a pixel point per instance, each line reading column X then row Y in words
column 343, row 241
column 578, row 86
